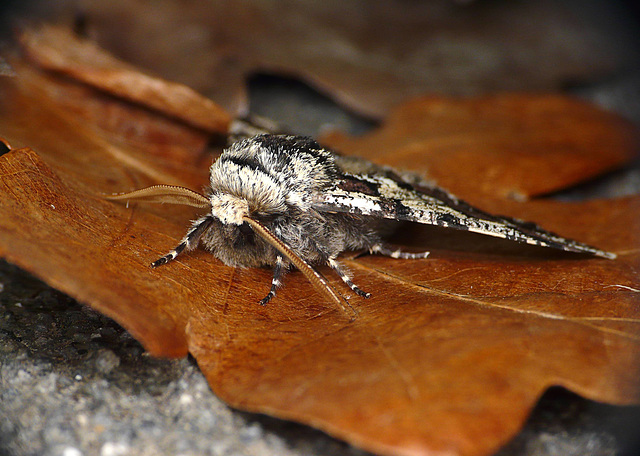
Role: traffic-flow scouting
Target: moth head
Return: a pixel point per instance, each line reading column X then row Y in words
column 229, row 209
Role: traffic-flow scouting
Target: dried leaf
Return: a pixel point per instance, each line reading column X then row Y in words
column 509, row 145
column 448, row 356
column 81, row 126
column 368, row 56
column 56, row 48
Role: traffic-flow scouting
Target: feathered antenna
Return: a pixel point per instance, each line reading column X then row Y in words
column 171, row 194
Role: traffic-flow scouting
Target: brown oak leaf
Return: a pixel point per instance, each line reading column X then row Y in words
column 509, row 145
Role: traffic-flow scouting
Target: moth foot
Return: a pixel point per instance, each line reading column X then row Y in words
column 164, row 260
column 364, row 294
column 266, row 299
column 397, row 254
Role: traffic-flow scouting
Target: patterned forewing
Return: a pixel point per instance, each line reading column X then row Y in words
column 389, row 198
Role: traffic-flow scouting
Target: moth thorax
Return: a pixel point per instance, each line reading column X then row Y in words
column 229, row 209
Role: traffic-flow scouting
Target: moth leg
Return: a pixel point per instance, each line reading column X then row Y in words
column 386, row 251
column 190, row 240
column 346, row 279
column 275, row 282
column 316, row 279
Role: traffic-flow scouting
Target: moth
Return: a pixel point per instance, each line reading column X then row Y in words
column 283, row 201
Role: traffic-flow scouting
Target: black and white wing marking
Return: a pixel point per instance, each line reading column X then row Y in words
column 388, row 196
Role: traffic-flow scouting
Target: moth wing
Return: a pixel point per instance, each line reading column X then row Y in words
column 389, row 197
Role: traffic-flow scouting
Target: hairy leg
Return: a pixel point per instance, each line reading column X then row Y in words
column 189, row 242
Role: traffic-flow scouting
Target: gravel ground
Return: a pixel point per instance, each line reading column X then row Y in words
column 73, row 382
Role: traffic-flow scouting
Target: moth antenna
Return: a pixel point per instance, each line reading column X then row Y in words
column 319, row 282
column 171, row 194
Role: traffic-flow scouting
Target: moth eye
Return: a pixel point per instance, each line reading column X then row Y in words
column 245, row 230
column 245, row 236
